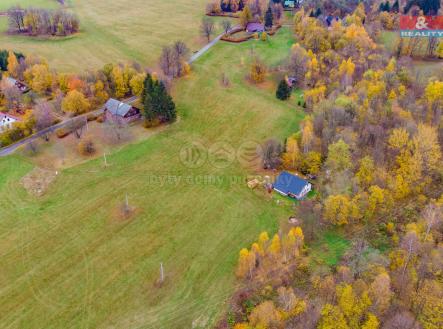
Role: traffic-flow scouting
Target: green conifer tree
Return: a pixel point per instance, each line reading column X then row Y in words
column 283, row 90
column 269, row 18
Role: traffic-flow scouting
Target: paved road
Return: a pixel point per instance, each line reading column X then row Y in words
column 11, row 148
column 202, row 51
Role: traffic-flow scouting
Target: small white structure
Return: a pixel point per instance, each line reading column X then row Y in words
column 6, row 121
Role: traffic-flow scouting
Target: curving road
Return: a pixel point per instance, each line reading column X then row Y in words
column 11, row 148
column 202, row 51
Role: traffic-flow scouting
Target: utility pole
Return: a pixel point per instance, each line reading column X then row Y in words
column 162, row 274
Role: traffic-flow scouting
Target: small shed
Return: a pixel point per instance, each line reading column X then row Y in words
column 116, row 110
column 255, row 27
column 291, row 185
column 252, row 184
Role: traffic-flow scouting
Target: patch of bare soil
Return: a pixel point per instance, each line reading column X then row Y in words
column 38, row 180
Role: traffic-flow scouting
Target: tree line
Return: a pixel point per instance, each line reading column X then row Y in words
column 73, row 94
column 39, row 21
column 373, row 137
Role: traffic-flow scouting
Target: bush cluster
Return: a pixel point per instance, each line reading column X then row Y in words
column 38, row 21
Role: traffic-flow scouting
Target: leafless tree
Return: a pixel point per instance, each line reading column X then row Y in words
column 116, row 130
column 225, row 80
column 12, row 96
column 432, row 46
column 180, row 48
column 16, row 17
column 77, row 126
column 277, row 11
column 180, row 53
column 298, row 67
column 31, row 147
column 207, row 28
column 226, row 25
column 172, row 60
column 410, row 244
column 57, row 102
column 43, row 117
column 42, row 21
column 167, row 60
column 270, row 154
column 401, row 320
column 432, row 216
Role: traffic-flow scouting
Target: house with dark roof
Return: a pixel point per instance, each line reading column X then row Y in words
column 291, row 185
column 119, row 111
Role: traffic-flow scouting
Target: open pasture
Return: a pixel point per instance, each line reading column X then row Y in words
column 112, row 31
column 69, row 260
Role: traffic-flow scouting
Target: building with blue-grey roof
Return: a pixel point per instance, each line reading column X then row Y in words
column 291, row 185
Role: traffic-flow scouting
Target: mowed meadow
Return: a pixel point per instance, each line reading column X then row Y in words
column 111, row 31
column 67, row 258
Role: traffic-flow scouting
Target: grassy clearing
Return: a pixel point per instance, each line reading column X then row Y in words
column 67, row 258
column 113, row 31
column 6, row 4
column 63, row 153
column 390, row 39
column 329, row 248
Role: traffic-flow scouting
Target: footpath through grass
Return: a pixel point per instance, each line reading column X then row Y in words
column 69, row 260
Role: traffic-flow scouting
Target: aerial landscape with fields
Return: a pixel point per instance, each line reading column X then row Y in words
column 244, row 164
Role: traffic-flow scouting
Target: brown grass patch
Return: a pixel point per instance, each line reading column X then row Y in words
column 38, row 180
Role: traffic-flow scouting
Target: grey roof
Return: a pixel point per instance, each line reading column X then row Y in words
column 117, row 108
column 255, row 27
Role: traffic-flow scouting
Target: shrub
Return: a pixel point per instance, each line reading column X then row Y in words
column 101, row 118
column 264, row 36
column 258, row 71
column 86, row 147
column 62, row 132
column 38, row 21
column 92, row 117
column 12, row 135
column 151, row 123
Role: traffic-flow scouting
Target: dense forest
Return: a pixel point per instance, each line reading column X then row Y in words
column 373, row 136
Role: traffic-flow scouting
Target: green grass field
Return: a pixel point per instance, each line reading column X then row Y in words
column 329, row 248
column 113, row 31
column 6, row 4
column 67, row 260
